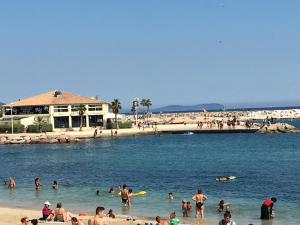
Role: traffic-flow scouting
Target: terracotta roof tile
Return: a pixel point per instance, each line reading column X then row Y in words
column 49, row 98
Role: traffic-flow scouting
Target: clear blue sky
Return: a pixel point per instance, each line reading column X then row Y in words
column 173, row 52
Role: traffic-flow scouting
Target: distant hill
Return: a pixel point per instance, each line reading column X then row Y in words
column 190, row 108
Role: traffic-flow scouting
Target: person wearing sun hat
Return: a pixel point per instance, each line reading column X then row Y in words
column 47, row 212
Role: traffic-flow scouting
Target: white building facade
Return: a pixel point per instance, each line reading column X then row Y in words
column 61, row 109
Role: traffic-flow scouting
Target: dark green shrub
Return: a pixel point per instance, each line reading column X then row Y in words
column 125, row 125
column 46, row 127
column 6, row 128
column 33, row 128
column 38, row 128
column 109, row 125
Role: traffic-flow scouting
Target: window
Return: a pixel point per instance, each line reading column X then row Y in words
column 62, row 108
column 76, row 120
column 74, row 108
column 96, row 120
column 95, row 107
column 25, row 110
column 61, row 122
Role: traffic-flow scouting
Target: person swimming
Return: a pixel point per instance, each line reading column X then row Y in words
column 38, row 184
column 4, row 182
column 170, row 196
column 11, row 183
column 222, row 206
column 55, row 185
column 111, row 190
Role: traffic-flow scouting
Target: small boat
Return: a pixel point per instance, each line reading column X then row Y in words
column 189, row 133
column 225, row 178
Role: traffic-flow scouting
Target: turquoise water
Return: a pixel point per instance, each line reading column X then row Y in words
column 265, row 165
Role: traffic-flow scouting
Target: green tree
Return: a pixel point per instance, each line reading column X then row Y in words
column 116, row 108
column 134, row 108
column 148, row 104
column 38, row 120
column 144, row 104
column 81, row 110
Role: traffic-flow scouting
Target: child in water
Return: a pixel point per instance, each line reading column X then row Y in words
column 111, row 214
column 222, row 206
column 173, row 219
column 189, row 206
column 184, row 209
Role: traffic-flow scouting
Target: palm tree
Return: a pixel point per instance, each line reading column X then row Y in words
column 81, row 110
column 144, row 104
column 134, row 108
column 116, row 108
column 148, row 104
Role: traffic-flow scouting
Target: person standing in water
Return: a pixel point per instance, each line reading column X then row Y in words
column 200, row 198
column 130, row 194
column 266, row 209
column 11, row 183
column 170, row 196
column 55, row 185
column 38, row 184
column 125, row 195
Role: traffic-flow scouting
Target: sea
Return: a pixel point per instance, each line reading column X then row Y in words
column 265, row 165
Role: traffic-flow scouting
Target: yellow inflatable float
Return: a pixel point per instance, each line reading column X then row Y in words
column 140, row 193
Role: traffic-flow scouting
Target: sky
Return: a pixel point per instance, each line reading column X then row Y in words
column 170, row 51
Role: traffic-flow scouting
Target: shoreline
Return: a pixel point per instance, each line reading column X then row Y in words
column 187, row 129
column 12, row 215
column 167, row 123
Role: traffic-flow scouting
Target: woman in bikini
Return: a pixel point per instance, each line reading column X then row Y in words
column 60, row 215
column 200, row 198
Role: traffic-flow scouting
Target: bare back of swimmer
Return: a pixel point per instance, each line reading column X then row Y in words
column 200, row 198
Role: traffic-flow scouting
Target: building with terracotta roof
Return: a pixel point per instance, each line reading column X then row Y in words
column 60, row 108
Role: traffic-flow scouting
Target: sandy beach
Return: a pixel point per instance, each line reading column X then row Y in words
column 9, row 215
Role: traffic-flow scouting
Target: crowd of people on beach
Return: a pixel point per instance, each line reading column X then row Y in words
column 59, row 214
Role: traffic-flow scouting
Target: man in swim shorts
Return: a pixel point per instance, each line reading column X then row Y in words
column 125, row 195
column 199, row 199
